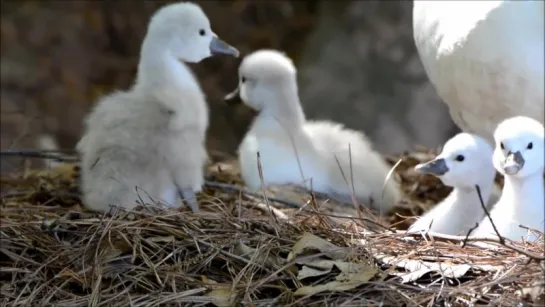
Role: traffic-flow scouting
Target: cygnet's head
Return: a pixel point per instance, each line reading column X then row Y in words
column 519, row 147
column 264, row 74
column 184, row 30
column 465, row 161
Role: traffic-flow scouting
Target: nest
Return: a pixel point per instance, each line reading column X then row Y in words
column 241, row 251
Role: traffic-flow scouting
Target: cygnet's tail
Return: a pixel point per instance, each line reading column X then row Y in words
column 362, row 164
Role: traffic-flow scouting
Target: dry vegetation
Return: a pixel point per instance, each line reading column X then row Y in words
column 237, row 253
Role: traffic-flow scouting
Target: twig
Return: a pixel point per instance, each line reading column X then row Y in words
column 41, row 154
column 437, row 235
column 352, row 195
column 230, row 187
column 468, row 233
column 388, row 176
column 502, row 240
column 262, row 179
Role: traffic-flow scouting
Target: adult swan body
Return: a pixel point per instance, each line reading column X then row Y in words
column 485, row 59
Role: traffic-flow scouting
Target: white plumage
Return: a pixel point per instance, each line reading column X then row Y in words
column 296, row 151
column 519, row 156
column 148, row 142
column 485, row 59
column 464, row 162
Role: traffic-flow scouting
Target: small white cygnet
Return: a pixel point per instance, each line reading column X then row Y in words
column 464, row 162
column 148, row 143
column 519, row 156
column 313, row 154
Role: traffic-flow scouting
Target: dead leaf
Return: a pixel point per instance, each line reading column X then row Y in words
column 249, row 253
column 310, row 241
column 315, row 268
column 352, row 276
column 222, row 296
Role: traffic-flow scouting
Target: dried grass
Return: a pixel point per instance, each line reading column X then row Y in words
column 235, row 253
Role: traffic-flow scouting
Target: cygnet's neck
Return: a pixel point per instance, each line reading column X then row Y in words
column 523, row 193
column 282, row 107
column 160, row 70
column 468, row 197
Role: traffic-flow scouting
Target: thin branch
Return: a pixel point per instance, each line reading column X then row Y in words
column 41, row 154
column 262, row 179
column 230, row 187
column 437, row 235
column 501, row 239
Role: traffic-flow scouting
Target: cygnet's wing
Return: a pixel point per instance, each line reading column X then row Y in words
column 119, row 150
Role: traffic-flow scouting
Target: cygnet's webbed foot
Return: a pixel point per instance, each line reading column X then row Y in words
column 189, row 197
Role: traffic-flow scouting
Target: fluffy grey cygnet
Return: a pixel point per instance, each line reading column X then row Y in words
column 148, row 143
column 464, row 162
column 519, row 157
column 294, row 150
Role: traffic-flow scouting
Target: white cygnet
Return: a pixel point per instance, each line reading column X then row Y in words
column 464, row 162
column 296, row 151
column 519, row 156
column 148, row 143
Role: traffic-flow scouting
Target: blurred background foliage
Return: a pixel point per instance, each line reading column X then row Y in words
column 356, row 59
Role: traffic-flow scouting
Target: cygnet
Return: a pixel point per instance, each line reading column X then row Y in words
column 296, row 151
column 464, row 162
column 519, row 157
column 148, row 143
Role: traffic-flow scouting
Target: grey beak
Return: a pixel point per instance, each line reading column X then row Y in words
column 436, row 167
column 217, row 46
column 513, row 163
column 233, row 98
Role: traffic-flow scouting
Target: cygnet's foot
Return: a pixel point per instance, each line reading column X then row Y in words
column 189, row 197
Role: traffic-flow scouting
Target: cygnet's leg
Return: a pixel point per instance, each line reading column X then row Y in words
column 170, row 197
column 190, row 199
column 185, row 159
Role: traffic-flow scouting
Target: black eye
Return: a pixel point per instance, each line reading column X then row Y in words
column 202, row 32
column 530, row 145
column 460, row 158
column 501, row 145
column 243, row 79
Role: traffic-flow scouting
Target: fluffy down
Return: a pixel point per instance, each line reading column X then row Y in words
column 296, row 151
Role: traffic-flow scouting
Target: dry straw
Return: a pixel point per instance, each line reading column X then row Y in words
column 242, row 252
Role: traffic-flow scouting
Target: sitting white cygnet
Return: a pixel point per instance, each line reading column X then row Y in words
column 147, row 143
column 296, row 151
column 464, row 162
column 519, row 156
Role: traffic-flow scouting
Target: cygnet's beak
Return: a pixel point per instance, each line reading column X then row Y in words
column 435, row 167
column 217, row 46
column 513, row 163
column 233, row 98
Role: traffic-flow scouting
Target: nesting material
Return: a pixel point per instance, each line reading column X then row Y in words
column 519, row 157
column 147, row 144
column 322, row 156
column 232, row 253
column 484, row 58
column 464, row 163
